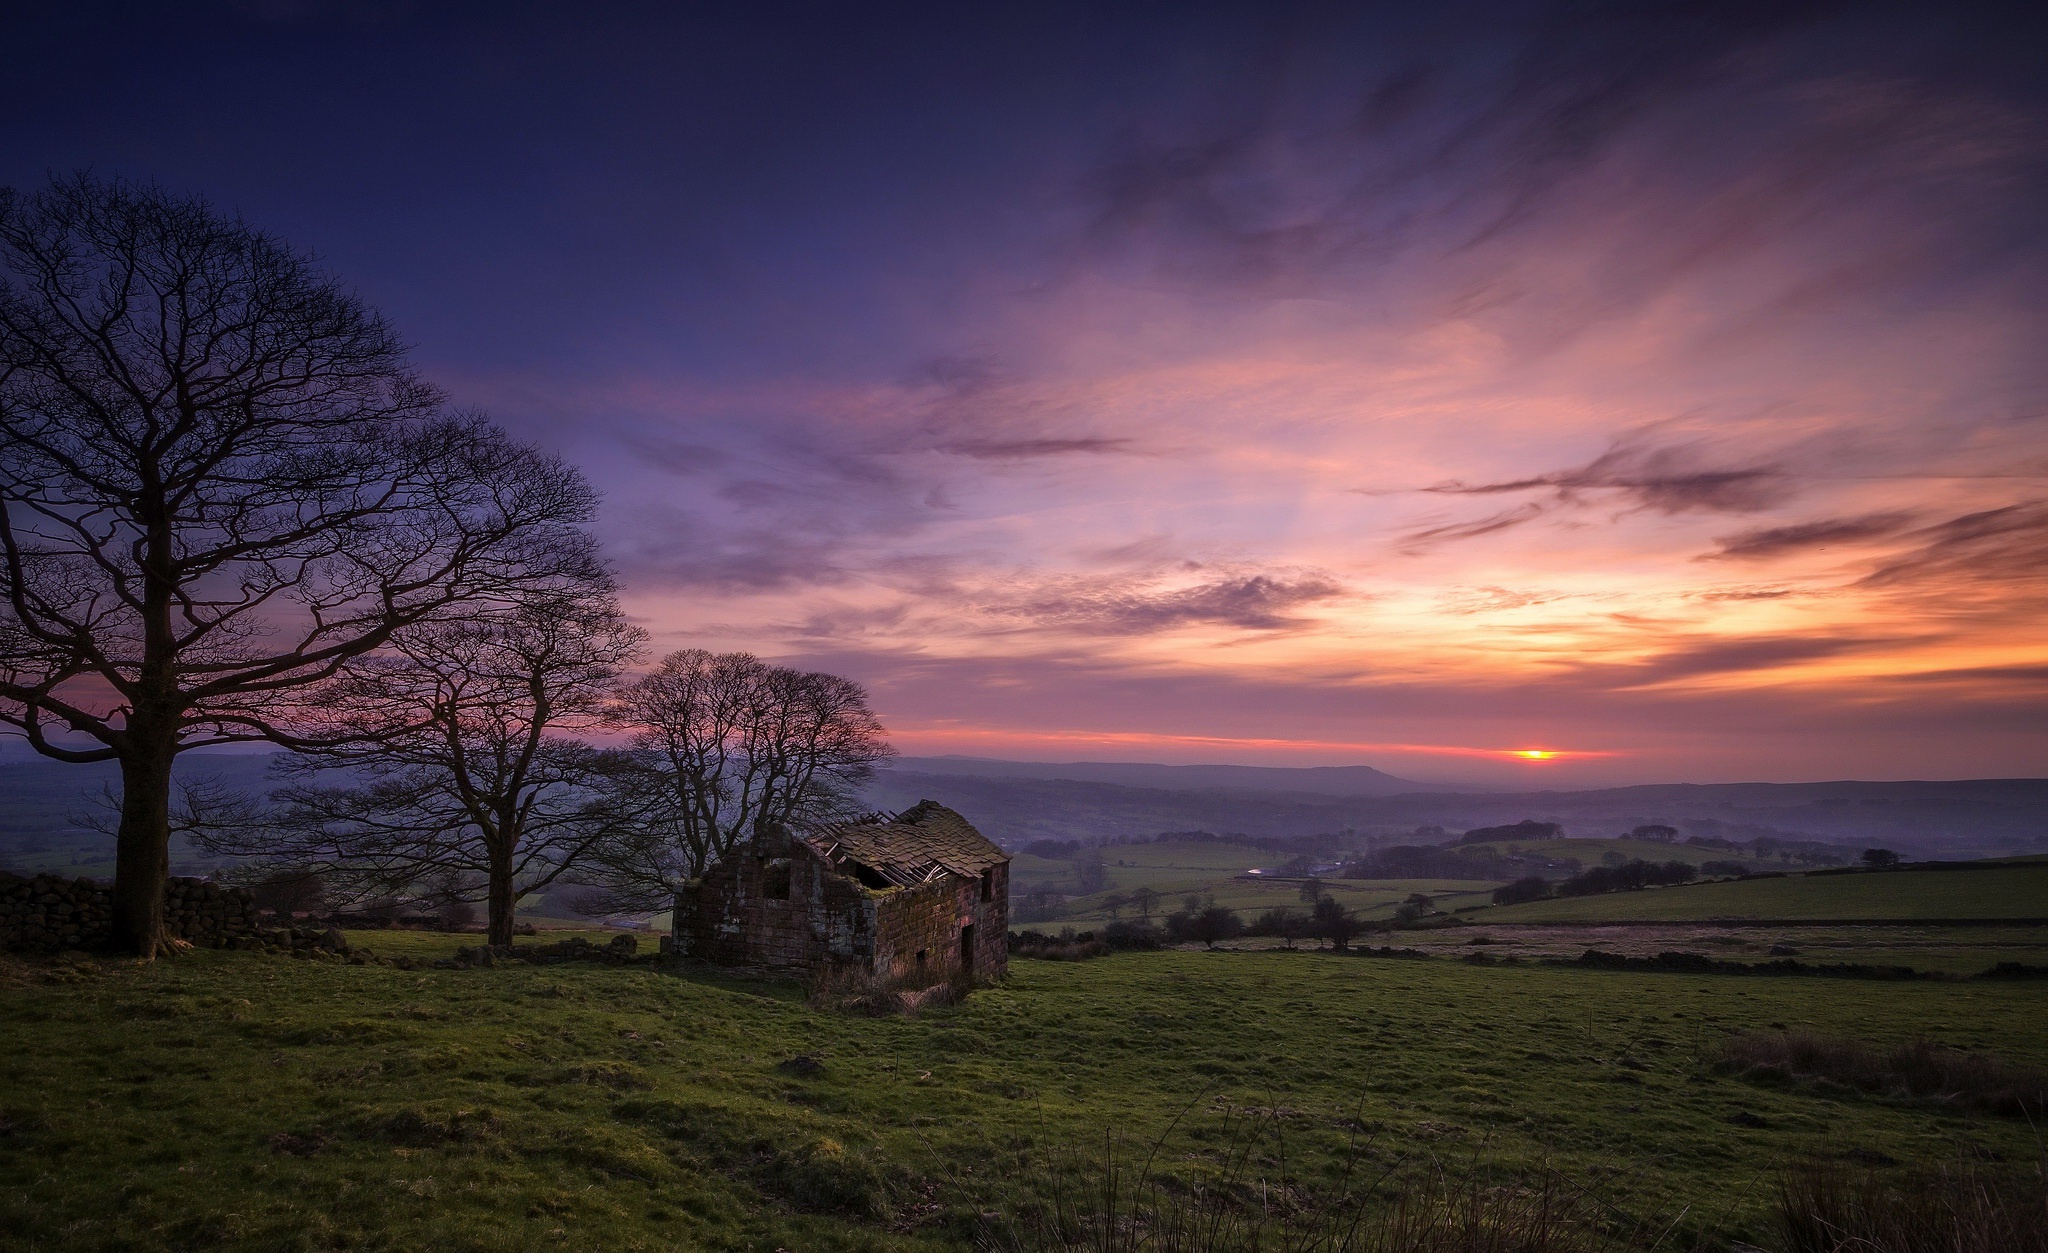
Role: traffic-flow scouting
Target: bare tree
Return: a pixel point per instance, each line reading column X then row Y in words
column 1332, row 921
column 1143, row 899
column 460, row 779
column 220, row 480
column 725, row 747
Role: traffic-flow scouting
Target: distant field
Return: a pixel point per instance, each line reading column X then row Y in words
column 2013, row 892
column 1592, row 852
column 246, row 1102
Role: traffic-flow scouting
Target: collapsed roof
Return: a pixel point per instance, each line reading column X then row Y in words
column 918, row 845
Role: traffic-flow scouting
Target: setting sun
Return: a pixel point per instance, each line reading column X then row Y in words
column 1535, row 754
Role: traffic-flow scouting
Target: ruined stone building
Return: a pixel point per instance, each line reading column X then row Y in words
column 921, row 896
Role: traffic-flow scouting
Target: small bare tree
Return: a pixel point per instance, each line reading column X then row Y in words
column 450, row 772
column 220, row 481
column 725, row 746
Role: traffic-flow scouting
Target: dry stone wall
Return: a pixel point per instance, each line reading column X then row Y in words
column 48, row 913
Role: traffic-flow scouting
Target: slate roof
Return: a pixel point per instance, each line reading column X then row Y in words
column 920, row 844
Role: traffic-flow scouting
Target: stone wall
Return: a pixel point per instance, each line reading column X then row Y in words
column 777, row 906
column 736, row 915
column 49, row 913
column 919, row 930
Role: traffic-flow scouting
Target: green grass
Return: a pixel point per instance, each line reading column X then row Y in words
column 1178, row 869
column 2010, row 892
column 628, row 1108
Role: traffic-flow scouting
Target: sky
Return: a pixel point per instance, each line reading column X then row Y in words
column 1658, row 386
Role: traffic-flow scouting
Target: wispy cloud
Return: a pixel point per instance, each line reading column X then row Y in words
column 1255, row 602
column 1988, row 548
column 1668, row 480
column 1799, row 537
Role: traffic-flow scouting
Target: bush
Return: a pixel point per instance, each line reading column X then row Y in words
column 1281, row 921
column 1067, row 946
column 1521, row 890
column 1724, row 868
column 1127, row 936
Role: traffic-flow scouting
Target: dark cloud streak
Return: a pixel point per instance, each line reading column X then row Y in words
column 1799, row 537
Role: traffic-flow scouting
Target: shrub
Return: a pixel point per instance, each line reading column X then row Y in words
column 1067, row 946
column 1132, row 935
column 1723, row 868
column 1287, row 924
column 1529, row 889
column 1918, row 1068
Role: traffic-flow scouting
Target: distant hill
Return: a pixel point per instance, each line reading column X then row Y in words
column 42, row 802
column 1301, row 780
column 1016, row 802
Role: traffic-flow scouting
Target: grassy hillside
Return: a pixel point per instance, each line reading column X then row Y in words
column 2010, row 892
column 239, row 1101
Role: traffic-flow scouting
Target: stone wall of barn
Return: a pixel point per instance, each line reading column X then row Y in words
column 48, row 913
column 921, row 932
column 779, row 907
column 737, row 915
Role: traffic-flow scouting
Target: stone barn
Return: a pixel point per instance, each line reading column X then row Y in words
column 920, row 896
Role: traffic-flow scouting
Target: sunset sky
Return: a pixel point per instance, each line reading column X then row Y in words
column 1662, row 385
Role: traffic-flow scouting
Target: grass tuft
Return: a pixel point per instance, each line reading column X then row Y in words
column 1920, row 1069
column 1957, row 1209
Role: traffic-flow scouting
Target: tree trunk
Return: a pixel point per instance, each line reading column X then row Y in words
column 142, row 847
column 502, row 902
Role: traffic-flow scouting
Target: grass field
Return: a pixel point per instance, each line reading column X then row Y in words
column 241, row 1101
column 2007, row 892
column 1176, row 869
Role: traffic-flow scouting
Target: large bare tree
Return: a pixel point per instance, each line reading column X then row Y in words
column 452, row 771
column 724, row 747
column 220, row 480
